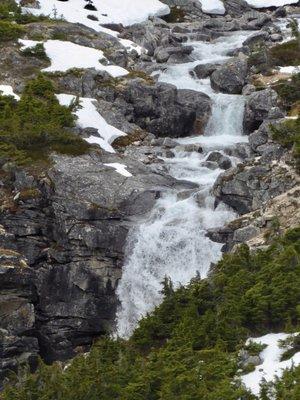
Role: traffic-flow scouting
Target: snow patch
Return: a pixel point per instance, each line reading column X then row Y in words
column 7, row 90
column 89, row 117
column 67, row 55
column 213, row 7
column 270, row 3
column 290, row 70
column 271, row 366
column 126, row 12
column 120, row 168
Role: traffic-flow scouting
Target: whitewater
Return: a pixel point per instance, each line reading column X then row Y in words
column 172, row 242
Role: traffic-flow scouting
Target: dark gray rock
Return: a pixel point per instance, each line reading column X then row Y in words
column 237, row 8
column 18, row 338
column 163, row 54
column 257, row 39
column 222, row 161
column 258, row 107
column 165, row 111
column 203, row 71
column 230, row 77
column 248, row 186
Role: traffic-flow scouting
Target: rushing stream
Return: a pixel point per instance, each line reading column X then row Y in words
column 172, row 241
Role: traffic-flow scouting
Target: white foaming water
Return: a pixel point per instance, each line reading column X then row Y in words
column 172, row 241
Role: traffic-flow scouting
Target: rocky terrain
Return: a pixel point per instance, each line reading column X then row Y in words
column 63, row 229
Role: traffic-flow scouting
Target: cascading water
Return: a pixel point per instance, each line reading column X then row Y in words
column 172, row 241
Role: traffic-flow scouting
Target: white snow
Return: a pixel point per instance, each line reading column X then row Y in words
column 120, row 168
column 126, row 12
column 67, row 55
column 213, row 7
column 7, row 90
column 290, row 70
column 89, row 117
column 270, row 3
column 271, row 366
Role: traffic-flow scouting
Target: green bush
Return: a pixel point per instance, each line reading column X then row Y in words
column 286, row 54
column 36, row 125
column 10, row 11
column 9, row 31
column 37, row 51
column 285, row 388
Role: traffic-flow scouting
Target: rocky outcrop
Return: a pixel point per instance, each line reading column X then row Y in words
column 230, row 77
column 259, row 227
column 248, row 186
column 18, row 296
column 260, row 106
column 70, row 225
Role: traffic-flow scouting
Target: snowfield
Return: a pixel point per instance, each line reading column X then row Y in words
column 7, row 90
column 213, row 7
column 271, row 366
column 67, row 55
column 126, row 12
column 270, row 3
column 89, row 117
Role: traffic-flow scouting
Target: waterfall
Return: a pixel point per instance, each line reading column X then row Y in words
column 172, row 241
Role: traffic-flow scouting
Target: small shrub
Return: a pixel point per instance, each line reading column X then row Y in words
column 37, row 51
column 288, row 135
column 286, row 54
column 10, row 31
column 177, row 14
column 289, row 91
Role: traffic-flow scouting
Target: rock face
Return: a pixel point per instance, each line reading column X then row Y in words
column 70, row 226
column 248, row 186
column 18, row 343
column 230, row 77
column 259, row 107
column 165, row 111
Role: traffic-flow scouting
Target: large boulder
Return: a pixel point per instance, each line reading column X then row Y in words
column 259, row 106
column 203, row 71
column 236, row 8
column 165, row 111
column 200, row 103
column 256, row 39
column 172, row 54
column 230, row 77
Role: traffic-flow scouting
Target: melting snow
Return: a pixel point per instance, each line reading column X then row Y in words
column 126, row 12
column 290, row 70
column 270, row 3
column 120, row 168
column 213, row 7
column 67, row 55
column 7, row 90
column 271, row 366
column 88, row 117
